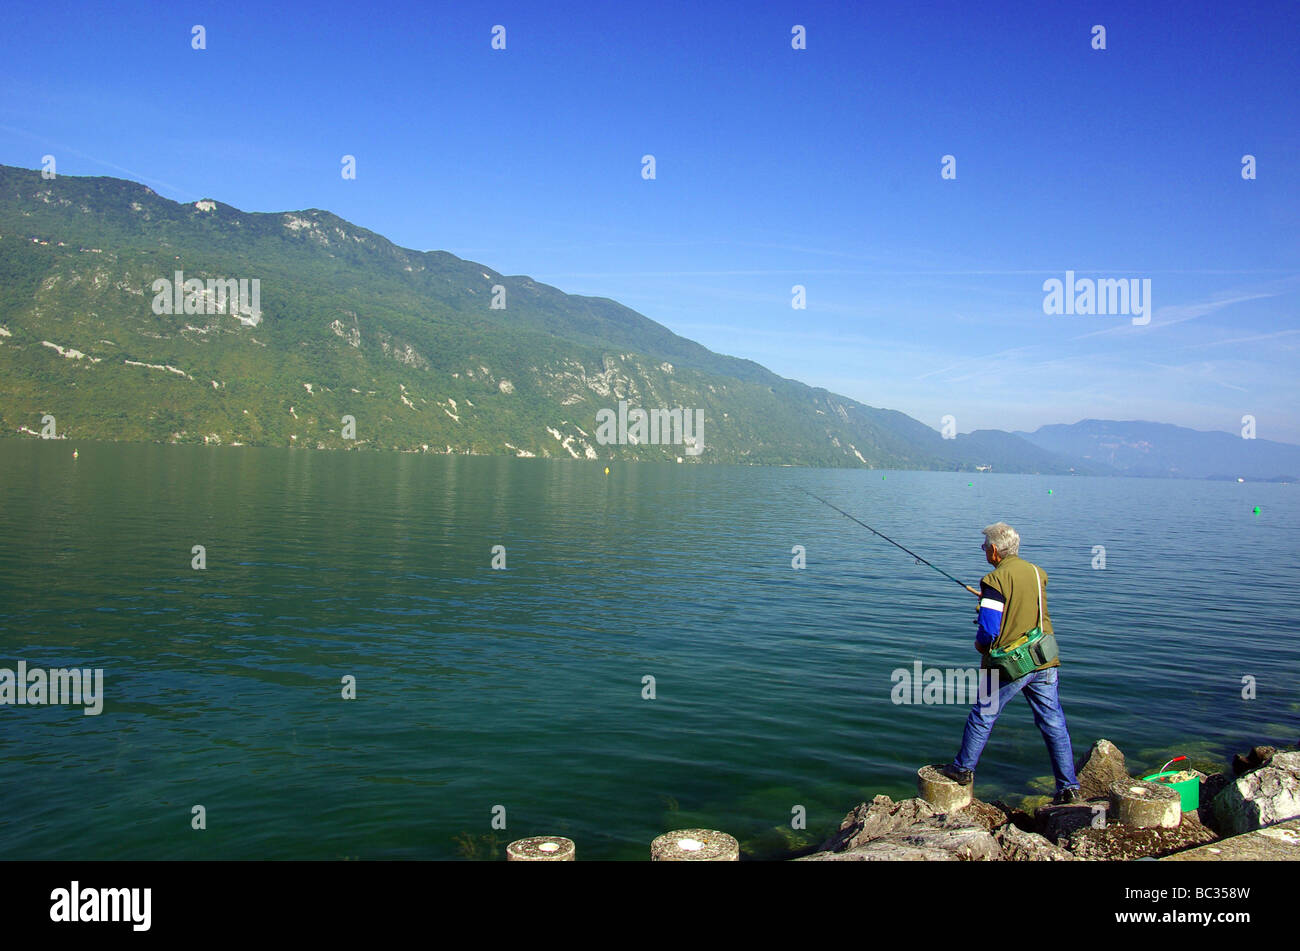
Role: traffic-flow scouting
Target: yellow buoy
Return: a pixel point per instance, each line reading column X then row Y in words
column 607, row 470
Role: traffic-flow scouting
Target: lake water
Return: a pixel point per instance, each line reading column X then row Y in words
column 523, row 687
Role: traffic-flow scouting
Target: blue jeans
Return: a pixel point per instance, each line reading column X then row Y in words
column 1040, row 689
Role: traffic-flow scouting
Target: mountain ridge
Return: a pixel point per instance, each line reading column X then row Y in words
column 405, row 342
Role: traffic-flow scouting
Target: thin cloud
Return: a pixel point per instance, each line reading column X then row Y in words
column 136, row 176
column 1251, row 339
column 1202, row 375
column 1169, row 316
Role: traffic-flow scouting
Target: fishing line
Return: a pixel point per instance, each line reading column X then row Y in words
column 919, row 559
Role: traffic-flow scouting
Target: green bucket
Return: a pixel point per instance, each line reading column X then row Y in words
column 1189, row 790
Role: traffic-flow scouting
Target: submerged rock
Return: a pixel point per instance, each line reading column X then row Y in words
column 1257, row 757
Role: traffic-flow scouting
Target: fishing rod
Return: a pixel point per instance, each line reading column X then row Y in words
column 918, row 558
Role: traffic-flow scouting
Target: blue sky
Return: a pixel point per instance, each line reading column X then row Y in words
column 775, row 167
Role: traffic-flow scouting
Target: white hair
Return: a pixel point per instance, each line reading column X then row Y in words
column 1004, row 538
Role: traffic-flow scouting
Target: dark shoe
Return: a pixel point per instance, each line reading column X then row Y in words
column 962, row 777
column 1070, row 796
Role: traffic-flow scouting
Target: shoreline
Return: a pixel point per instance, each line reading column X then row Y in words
column 1121, row 818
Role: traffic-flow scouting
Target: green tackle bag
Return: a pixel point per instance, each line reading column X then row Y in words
column 1028, row 652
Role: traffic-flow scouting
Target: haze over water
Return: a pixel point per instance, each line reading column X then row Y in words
column 523, row 687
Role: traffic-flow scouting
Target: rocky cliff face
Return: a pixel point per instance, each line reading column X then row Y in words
column 421, row 351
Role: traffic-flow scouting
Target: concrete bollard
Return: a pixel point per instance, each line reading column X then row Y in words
column 940, row 791
column 695, row 845
column 1144, row 805
column 541, row 848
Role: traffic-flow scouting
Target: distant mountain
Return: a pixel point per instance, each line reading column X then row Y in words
column 405, row 342
column 1139, row 448
column 1012, row 452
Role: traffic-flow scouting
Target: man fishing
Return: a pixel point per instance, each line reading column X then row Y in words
column 1012, row 605
column 1015, row 638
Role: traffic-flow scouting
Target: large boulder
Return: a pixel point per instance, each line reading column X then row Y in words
column 939, row 840
column 879, row 818
column 1020, row 846
column 880, row 850
column 1261, row 797
column 1104, row 765
column 968, row 842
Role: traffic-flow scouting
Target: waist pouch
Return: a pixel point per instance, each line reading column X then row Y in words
column 1024, row 655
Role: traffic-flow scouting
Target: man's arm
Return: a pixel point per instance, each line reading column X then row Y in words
column 988, row 618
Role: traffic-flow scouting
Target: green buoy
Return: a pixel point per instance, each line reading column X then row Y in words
column 1256, row 509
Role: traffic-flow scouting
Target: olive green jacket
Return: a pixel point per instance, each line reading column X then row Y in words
column 1008, row 605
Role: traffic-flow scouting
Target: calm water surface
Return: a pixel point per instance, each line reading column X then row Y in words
column 523, row 687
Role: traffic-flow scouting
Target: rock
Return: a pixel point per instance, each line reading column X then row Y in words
column 1136, row 802
column 1211, row 786
column 1119, row 842
column 1020, row 846
column 1259, row 798
column 879, row 850
column 1104, row 765
column 1022, row 820
column 1257, row 757
column 880, row 818
column 968, row 842
column 1275, row 843
column 779, row 843
column 924, row 843
column 1055, row 823
column 987, row 816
